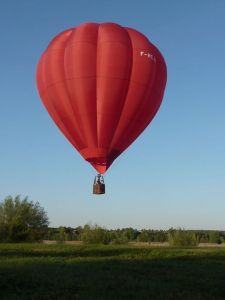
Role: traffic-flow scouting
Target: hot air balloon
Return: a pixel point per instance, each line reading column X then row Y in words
column 102, row 84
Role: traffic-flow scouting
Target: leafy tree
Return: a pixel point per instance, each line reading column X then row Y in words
column 214, row 237
column 182, row 238
column 22, row 220
column 143, row 236
column 129, row 234
column 63, row 236
column 95, row 235
column 159, row 236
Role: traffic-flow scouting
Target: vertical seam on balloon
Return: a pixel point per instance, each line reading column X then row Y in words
column 68, row 135
column 67, row 90
column 138, row 114
column 127, row 130
column 128, row 85
column 43, row 70
column 96, row 86
column 70, row 138
column 145, row 125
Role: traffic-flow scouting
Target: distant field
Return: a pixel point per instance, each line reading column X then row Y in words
column 57, row 271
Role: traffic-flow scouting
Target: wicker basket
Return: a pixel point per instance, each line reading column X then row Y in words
column 98, row 188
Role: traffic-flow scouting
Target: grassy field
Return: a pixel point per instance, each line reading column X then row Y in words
column 38, row 271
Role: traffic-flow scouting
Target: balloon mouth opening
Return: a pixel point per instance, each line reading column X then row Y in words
column 100, row 164
column 100, row 158
column 101, row 169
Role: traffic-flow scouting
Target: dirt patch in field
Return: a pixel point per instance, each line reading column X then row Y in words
column 139, row 244
column 48, row 242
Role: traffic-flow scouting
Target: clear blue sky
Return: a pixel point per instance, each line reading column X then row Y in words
column 174, row 174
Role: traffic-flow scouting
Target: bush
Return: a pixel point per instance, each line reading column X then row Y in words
column 182, row 238
column 95, row 235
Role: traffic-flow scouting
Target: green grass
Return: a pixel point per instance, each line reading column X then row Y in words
column 37, row 271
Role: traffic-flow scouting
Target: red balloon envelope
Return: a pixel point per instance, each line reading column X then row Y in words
column 102, row 84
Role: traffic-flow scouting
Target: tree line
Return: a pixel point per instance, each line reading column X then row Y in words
column 94, row 234
column 22, row 220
